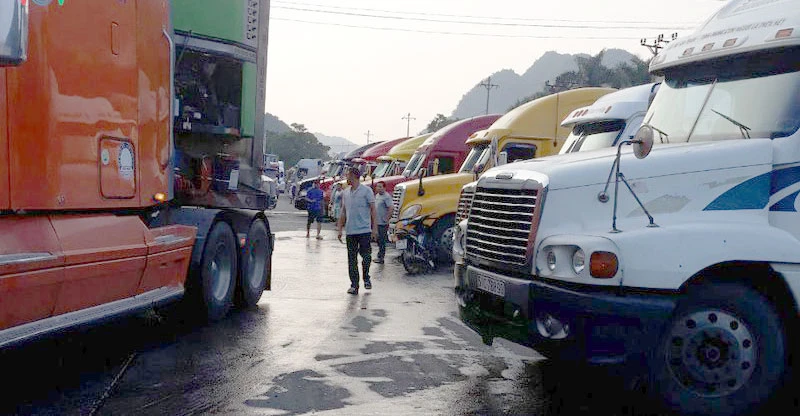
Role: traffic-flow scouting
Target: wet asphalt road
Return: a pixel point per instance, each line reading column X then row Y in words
column 308, row 348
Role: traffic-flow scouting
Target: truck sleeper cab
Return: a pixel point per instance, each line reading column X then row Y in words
column 706, row 293
column 90, row 222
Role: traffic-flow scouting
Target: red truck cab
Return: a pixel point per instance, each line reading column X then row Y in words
column 443, row 152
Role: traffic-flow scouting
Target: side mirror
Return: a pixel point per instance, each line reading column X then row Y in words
column 477, row 168
column 643, row 142
column 502, row 158
column 13, row 32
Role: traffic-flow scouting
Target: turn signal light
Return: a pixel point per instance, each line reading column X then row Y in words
column 603, row 265
column 160, row 197
column 784, row 33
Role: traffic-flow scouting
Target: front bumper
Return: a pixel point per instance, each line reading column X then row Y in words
column 600, row 326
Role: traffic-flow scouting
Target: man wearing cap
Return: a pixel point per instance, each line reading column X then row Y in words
column 358, row 217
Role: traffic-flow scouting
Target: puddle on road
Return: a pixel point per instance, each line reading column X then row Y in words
column 301, row 392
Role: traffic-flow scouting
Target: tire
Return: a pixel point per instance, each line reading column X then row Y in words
column 442, row 233
column 218, row 271
column 724, row 352
column 255, row 265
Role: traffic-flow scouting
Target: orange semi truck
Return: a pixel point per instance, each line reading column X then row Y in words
column 130, row 160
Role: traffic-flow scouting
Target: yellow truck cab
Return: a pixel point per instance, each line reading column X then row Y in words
column 530, row 130
column 394, row 161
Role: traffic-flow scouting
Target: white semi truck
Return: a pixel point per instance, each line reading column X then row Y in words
column 685, row 259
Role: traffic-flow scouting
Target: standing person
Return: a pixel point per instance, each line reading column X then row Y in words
column 336, row 200
column 314, row 198
column 383, row 209
column 359, row 218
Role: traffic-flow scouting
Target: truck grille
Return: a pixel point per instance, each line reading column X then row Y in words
column 464, row 204
column 500, row 224
column 397, row 201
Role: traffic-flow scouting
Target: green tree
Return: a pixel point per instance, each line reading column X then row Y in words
column 295, row 145
column 300, row 128
column 438, row 122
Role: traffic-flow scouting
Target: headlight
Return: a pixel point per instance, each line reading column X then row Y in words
column 551, row 260
column 578, row 261
column 303, row 193
column 410, row 212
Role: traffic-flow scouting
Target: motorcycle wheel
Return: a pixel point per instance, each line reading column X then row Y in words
column 410, row 261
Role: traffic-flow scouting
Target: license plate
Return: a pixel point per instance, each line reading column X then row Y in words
column 401, row 244
column 490, row 284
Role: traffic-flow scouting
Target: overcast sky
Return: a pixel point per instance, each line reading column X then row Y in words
column 342, row 80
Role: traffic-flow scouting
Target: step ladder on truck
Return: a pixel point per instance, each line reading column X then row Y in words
column 130, row 157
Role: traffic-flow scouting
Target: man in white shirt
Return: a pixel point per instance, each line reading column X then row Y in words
column 358, row 216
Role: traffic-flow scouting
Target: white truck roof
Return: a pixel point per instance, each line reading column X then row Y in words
column 738, row 27
column 619, row 105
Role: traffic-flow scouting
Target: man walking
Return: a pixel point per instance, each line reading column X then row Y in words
column 383, row 208
column 314, row 198
column 358, row 216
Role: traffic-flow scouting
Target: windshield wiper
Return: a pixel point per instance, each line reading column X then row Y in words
column 742, row 128
column 661, row 134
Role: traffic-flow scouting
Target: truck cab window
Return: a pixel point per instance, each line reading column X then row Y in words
column 519, row 151
column 446, row 165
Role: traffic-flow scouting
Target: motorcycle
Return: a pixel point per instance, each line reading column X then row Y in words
column 415, row 241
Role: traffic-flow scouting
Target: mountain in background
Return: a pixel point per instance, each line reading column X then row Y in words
column 512, row 86
column 337, row 144
column 274, row 124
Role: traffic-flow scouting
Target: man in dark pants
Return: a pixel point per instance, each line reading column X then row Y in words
column 359, row 218
column 383, row 209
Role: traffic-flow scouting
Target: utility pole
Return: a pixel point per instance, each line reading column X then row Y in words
column 408, row 124
column 658, row 43
column 488, row 85
column 368, row 134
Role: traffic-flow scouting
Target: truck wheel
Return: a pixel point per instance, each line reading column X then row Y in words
column 219, row 271
column 725, row 352
column 255, row 265
column 442, row 233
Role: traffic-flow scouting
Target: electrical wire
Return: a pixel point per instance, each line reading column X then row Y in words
column 541, row 25
column 437, row 32
column 294, row 3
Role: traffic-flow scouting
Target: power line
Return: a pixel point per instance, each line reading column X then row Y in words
column 471, row 16
column 436, row 32
column 420, row 19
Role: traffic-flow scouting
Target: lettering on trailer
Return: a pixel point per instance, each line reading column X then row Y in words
column 755, row 192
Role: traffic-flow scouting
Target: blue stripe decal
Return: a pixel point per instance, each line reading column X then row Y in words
column 755, row 192
column 786, row 204
column 750, row 194
column 784, row 178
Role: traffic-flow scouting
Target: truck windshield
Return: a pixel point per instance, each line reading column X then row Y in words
column 593, row 136
column 478, row 155
column 382, row 168
column 757, row 96
column 413, row 165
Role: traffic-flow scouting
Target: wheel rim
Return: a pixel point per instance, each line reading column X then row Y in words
column 711, row 352
column 221, row 266
column 256, row 262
